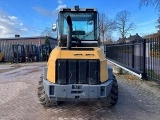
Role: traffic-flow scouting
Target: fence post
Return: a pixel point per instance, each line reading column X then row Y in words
column 132, row 54
column 144, row 74
column 105, row 51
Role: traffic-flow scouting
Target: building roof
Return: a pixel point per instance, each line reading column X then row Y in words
column 134, row 37
column 152, row 35
column 21, row 38
column 121, row 40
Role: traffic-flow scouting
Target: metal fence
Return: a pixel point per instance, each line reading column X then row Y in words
column 141, row 56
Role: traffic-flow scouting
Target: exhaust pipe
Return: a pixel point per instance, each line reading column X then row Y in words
column 69, row 35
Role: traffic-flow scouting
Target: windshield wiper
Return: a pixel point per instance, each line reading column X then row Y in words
column 89, row 33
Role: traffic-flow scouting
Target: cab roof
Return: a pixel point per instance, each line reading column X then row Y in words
column 76, row 9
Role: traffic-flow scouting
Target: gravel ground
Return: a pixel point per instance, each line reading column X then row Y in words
column 138, row 100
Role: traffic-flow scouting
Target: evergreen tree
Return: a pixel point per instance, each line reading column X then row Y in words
column 158, row 24
column 47, row 44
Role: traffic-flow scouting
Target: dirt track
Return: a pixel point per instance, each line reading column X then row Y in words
column 138, row 100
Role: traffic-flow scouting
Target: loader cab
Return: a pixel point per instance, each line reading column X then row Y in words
column 18, row 53
column 31, row 53
column 45, row 51
column 85, row 31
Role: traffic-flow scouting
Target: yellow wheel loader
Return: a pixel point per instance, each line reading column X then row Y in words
column 77, row 68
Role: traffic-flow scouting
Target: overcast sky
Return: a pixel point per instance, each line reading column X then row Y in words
column 30, row 17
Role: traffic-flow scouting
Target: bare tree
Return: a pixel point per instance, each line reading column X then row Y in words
column 123, row 23
column 155, row 3
column 48, row 32
column 107, row 26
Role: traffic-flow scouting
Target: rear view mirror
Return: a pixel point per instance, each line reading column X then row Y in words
column 54, row 27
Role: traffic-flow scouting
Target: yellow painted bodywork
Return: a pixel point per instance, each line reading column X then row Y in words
column 1, row 57
column 58, row 53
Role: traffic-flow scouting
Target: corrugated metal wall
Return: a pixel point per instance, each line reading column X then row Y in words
column 6, row 48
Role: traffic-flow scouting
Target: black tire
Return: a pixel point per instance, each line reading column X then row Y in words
column 113, row 97
column 2, row 60
column 42, row 96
